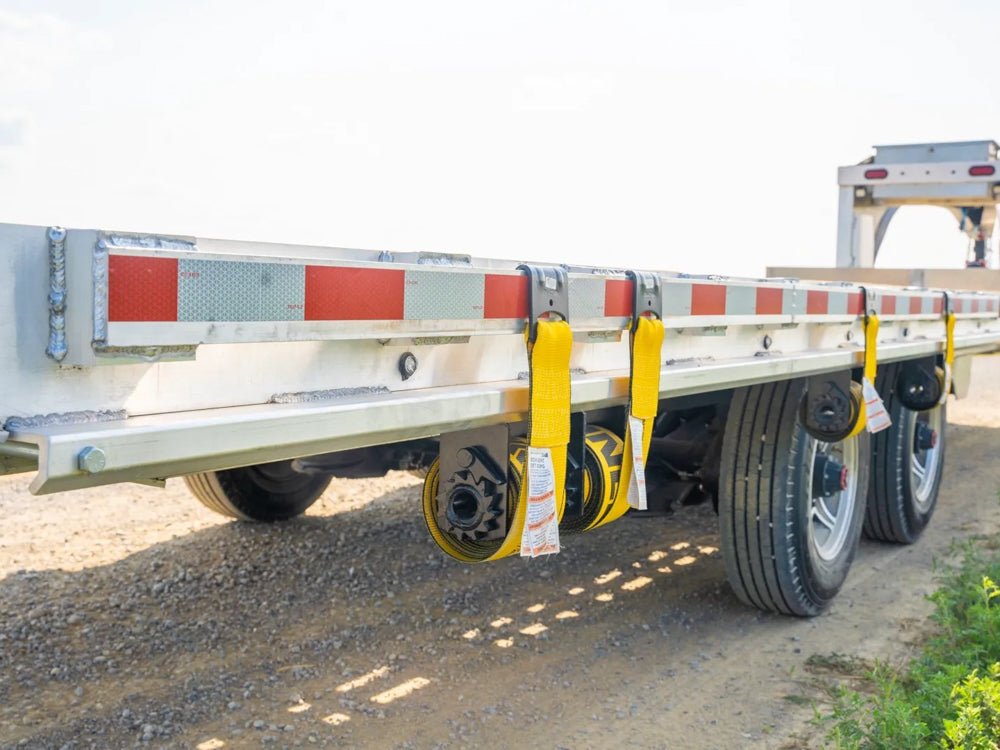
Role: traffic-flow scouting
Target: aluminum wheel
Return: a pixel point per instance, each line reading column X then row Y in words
column 834, row 482
column 925, row 463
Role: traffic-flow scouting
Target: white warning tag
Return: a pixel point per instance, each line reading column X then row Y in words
column 541, row 525
column 637, row 480
column 947, row 384
column 877, row 416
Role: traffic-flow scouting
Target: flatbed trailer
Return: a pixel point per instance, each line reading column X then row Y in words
column 538, row 400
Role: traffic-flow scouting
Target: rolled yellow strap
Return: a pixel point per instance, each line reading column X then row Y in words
column 646, row 343
column 549, row 428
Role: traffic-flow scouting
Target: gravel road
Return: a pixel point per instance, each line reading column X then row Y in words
column 132, row 617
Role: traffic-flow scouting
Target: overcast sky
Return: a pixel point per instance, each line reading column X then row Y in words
column 695, row 136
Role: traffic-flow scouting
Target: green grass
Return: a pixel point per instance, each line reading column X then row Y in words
column 949, row 696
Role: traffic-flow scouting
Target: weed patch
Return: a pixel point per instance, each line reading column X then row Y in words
column 947, row 697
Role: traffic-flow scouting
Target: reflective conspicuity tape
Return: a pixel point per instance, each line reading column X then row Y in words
column 169, row 286
column 170, row 289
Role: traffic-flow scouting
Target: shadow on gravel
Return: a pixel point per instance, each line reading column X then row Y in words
column 190, row 630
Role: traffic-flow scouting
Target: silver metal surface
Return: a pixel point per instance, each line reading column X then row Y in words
column 918, row 153
column 19, row 450
column 961, row 376
column 57, row 294
column 832, row 516
column 926, row 464
column 187, row 442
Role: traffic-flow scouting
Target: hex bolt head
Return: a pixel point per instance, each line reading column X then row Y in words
column 57, row 234
column 91, row 460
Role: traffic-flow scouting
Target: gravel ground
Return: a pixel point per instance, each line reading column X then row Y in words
column 132, row 617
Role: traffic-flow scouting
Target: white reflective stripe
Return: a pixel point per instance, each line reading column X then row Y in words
column 431, row 295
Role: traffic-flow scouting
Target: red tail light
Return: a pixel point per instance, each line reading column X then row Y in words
column 982, row 170
column 876, row 174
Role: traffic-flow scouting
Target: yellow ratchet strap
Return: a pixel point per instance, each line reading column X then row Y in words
column 870, row 325
column 949, row 345
column 949, row 355
column 548, row 426
column 646, row 343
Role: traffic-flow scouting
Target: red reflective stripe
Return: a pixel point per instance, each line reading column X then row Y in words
column 708, row 299
column 341, row 293
column 958, row 305
column 769, row 300
column 817, row 302
column 618, row 298
column 855, row 303
column 142, row 289
column 888, row 304
column 505, row 296
column 916, row 305
column 939, row 305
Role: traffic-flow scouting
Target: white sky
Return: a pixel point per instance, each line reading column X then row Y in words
column 696, row 136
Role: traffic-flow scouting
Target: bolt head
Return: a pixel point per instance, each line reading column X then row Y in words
column 91, row 460
column 407, row 365
column 57, row 234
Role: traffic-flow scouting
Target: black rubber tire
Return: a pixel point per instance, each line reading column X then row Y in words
column 893, row 513
column 265, row 492
column 765, row 505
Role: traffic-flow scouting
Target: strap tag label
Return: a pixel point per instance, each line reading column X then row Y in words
column 541, row 526
column 947, row 384
column 877, row 417
column 637, row 479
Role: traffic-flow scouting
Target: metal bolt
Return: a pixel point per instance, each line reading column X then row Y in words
column 407, row 365
column 91, row 460
column 57, row 234
column 464, row 458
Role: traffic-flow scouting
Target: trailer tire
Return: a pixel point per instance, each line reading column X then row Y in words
column 905, row 477
column 779, row 555
column 264, row 492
